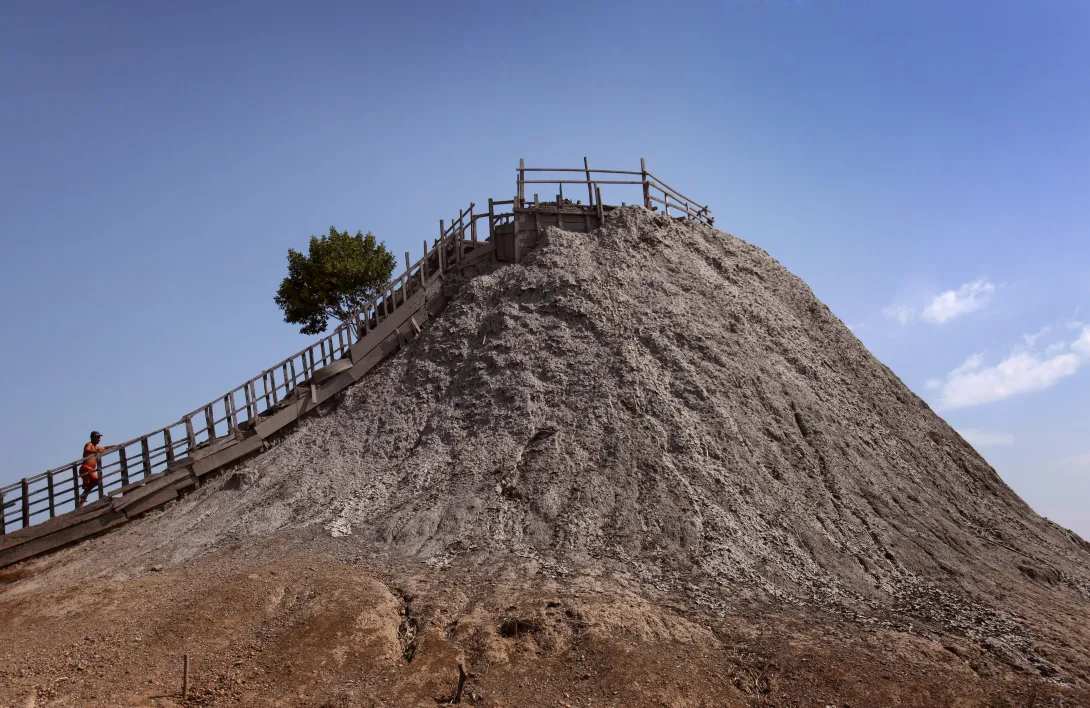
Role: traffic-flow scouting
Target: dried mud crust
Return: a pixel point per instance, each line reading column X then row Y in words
column 295, row 622
column 664, row 398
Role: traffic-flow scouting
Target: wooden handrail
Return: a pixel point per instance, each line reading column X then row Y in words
column 663, row 187
column 648, row 180
column 579, row 169
column 578, row 181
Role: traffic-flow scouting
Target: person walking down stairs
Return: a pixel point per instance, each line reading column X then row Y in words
column 88, row 471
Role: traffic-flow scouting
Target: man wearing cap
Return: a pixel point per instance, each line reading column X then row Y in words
column 88, row 471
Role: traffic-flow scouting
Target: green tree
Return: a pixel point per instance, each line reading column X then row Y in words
column 339, row 275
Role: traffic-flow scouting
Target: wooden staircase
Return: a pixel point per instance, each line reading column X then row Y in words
column 37, row 514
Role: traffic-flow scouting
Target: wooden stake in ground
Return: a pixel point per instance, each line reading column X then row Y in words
column 457, row 697
column 185, row 677
column 461, row 684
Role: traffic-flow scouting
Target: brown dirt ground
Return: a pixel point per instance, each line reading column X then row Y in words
column 304, row 620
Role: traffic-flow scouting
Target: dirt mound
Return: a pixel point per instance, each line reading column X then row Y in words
column 665, row 399
column 284, row 621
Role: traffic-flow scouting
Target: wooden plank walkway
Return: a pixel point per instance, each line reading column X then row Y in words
column 37, row 513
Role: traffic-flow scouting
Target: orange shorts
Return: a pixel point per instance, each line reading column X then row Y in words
column 89, row 477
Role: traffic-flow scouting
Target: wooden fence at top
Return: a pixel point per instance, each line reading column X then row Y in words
column 656, row 193
column 124, row 467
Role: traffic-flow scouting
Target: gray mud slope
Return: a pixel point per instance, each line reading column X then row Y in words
column 668, row 396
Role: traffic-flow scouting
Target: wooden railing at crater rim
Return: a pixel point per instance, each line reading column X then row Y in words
column 37, row 513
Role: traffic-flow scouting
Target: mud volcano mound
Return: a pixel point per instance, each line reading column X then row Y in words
column 662, row 397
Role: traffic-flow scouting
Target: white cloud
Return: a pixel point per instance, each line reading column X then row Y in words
column 902, row 314
column 1031, row 339
column 954, row 303
column 1021, row 372
column 945, row 306
column 982, row 438
column 1082, row 460
column 1081, row 346
column 1055, row 348
column 973, row 363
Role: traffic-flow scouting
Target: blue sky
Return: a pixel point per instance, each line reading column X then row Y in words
column 924, row 166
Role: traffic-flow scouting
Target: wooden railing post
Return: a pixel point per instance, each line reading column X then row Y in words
column 646, row 185
column 598, row 197
column 25, row 488
column 521, row 185
column 76, row 486
column 210, row 422
column 52, row 505
column 473, row 224
column 590, row 192
column 190, row 438
column 228, row 412
column 101, row 478
column 170, row 445
column 458, row 242
column 145, row 454
column 515, row 229
column 124, row 466
column 3, row 515
column 491, row 219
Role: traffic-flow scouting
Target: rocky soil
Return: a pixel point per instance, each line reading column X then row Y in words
column 650, row 447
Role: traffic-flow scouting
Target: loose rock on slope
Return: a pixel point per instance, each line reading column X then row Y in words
column 667, row 397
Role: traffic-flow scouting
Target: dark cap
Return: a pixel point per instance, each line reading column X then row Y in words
column 96, row 434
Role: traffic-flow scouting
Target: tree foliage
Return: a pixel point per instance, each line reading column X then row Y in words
column 339, row 275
